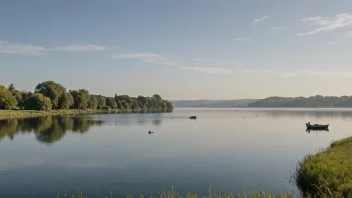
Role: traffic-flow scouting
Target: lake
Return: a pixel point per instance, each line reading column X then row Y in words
column 231, row 151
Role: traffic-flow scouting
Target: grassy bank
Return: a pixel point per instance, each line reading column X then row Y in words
column 173, row 194
column 4, row 114
column 328, row 172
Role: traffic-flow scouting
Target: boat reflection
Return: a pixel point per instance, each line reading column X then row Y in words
column 317, row 130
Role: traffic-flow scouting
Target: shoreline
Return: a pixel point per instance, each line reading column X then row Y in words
column 8, row 114
column 327, row 173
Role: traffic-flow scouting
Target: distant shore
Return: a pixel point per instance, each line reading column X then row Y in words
column 5, row 114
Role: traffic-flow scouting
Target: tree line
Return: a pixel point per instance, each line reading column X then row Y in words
column 51, row 95
column 313, row 101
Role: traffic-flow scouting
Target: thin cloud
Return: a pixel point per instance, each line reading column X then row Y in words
column 218, row 62
column 333, row 42
column 289, row 75
column 243, row 38
column 326, row 24
column 257, row 20
column 257, row 70
column 210, row 70
column 233, row 62
column 29, row 49
column 326, row 73
column 80, row 48
column 349, row 34
column 298, row 41
column 147, row 57
column 23, row 49
column 226, row 71
column 286, row 74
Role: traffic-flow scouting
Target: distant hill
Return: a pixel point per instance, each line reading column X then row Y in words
column 212, row 103
column 313, row 101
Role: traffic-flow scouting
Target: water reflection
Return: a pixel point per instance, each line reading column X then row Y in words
column 317, row 130
column 48, row 129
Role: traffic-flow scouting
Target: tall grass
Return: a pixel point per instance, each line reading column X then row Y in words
column 327, row 173
column 174, row 194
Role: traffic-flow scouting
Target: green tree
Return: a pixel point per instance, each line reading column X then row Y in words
column 17, row 95
column 38, row 102
column 11, row 87
column 52, row 90
column 156, row 101
column 7, row 100
column 93, row 102
column 123, row 101
column 15, row 92
column 81, row 98
column 168, row 105
column 110, row 102
column 25, row 96
column 143, row 102
column 64, row 101
column 70, row 99
column 101, row 102
column 135, row 105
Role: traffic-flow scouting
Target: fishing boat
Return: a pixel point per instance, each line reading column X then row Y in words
column 317, row 126
column 192, row 117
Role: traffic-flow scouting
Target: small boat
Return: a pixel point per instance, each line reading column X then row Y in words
column 317, row 126
column 192, row 117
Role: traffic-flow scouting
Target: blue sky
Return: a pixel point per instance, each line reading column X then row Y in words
column 198, row 49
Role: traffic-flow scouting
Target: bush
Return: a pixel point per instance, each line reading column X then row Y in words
column 106, row 108
column 7, row 100
column 38, row 102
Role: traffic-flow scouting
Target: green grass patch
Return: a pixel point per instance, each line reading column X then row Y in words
column 327, row 173
column 4, row 114
column 173, row 194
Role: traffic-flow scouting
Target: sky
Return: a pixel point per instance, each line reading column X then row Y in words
column 184, row 49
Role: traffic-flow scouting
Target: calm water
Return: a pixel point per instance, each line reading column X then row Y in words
column 41, row 157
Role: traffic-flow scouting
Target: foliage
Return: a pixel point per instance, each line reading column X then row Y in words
column 313, row 101
column 11, row 87
column 38, row 101
column 25, row 96
column 77, row 99
column 70, row 99
column 65, row 101
column 52, row 90
column 106, row 108
column 15, row 92
column 101, row 102
column 93, row 102
column 7, row 100
column 110, row 102
column 124, row 102
column 173, row 194
column 328, row 172
column 81, row 98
